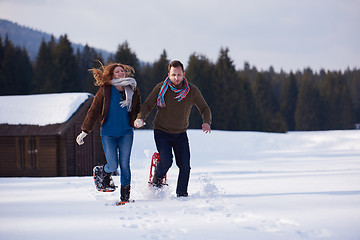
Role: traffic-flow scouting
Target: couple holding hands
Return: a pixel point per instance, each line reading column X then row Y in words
column 117, row 105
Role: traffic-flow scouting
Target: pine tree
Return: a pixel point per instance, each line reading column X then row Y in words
column 9, row 71
column 225, row 78
column 26, row 71
column 158, row 73
column 249, row 114
column 338, row 111
column 353, row 81
column 249, row 73
column 272, row 120
column 86, row 59
column 126, row 56
column 2, row 76
column 43, row 69
column 142, row 78
column 2, row 50
column 243, row 113
column 289, row 94
column 200, row 72
column 308, row 113
column 16, row 70
column 66, row 66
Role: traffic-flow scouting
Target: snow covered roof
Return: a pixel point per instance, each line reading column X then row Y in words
column 40, row 109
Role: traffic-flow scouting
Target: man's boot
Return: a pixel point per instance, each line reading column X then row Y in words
column 157, row 181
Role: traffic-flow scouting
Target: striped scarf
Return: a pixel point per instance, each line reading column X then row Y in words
column 181, row 93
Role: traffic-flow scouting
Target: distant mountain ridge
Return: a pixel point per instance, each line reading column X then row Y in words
column 31, row 39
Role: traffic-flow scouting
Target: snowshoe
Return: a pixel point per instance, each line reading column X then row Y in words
column 153, row 179
column 157, row 181
column 103, row 181
column 124, row 202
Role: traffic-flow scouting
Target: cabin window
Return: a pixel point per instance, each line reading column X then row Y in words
column 27, row 152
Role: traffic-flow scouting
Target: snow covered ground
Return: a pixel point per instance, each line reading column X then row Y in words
column 243, row 185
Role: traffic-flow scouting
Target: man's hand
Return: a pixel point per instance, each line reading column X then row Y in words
column 206, row 128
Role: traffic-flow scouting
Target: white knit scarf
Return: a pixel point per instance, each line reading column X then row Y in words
column 129, row 85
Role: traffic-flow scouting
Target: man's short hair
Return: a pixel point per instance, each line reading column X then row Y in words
column 176, row 63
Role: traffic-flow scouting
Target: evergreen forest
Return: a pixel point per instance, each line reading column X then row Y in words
column 240, row 99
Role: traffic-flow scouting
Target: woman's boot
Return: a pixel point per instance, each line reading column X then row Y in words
column 125, row 194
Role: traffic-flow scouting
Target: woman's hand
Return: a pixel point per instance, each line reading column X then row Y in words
column 80, row 138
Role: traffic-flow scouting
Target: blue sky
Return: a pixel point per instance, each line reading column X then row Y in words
column 285, row 34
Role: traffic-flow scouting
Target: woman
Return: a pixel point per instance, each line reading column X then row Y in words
column 116, row 105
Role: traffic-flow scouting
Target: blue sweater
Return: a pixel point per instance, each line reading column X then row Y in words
column 116, row 123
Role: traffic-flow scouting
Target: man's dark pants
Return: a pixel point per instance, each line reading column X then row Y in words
column 165, row 143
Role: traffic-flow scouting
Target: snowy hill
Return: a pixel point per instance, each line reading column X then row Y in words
column 243, row 185
column 30, row 39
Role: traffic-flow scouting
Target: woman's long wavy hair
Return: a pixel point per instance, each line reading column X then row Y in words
column 104, row 74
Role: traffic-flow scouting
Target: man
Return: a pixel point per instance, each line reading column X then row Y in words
column 174, row 98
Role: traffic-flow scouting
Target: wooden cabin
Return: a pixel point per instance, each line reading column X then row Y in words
column 50, row 150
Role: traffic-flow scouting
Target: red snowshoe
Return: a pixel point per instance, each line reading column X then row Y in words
column 152, row 181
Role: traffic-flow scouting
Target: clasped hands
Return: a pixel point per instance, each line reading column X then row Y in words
column 139, row 123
